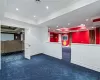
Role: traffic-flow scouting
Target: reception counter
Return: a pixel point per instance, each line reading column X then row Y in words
column 11, row 46
column 86, row 55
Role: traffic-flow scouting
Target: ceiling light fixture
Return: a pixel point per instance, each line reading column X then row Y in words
column 17, row 9
column 37, row 0
column 87, row 19
column 47, row 7
column 92, row 27
column 82, row 25
column 68, row 23
column 34, row 16
column 57, row 26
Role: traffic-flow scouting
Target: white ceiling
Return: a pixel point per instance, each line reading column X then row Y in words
column 76, row 17
column 29, row 8
column 60, row 12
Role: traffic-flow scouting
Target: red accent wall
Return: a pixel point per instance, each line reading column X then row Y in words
column 76, row 37
column 97, row 36
column 80, row 37
column 53, row 37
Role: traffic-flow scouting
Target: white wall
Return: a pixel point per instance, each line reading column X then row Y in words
column 33, row 43
column 36, row 39
column 50, row 48
column 86, row 55
column 5, row 37
column 44, row 34
column 53, row 49
column 48, row 36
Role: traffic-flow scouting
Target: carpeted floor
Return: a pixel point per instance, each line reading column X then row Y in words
column 43, row 67
column 66, row 54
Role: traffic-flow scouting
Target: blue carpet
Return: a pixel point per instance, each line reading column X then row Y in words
column 66, row 54
column 43, row 67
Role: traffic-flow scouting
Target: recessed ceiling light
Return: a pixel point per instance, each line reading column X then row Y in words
column 57, row 26
column 92, row 27
column 82, row 25
column 87, row 19
column 68, row 23
column 58, row 29
column 17, row 9
column 34, row 16
column 47, row 7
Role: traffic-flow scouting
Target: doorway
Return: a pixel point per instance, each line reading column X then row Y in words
column 12, row 43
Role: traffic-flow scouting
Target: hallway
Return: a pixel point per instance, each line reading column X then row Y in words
column 43, row 67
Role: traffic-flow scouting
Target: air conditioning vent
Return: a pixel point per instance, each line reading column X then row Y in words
column 38, row 0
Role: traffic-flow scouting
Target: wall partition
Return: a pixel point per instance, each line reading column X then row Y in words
column 53, row 49
column 86, row 55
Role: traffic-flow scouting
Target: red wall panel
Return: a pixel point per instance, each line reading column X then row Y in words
column 53, row 37
column 80, row 37
column 97, row 36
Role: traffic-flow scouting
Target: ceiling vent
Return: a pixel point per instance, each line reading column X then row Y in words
column 38, row 0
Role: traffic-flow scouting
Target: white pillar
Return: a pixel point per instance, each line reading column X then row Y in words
column 59, row 38
column 48, row 36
